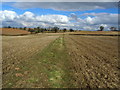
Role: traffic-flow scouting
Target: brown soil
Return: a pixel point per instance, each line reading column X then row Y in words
column 94, row 61
column 16, row 51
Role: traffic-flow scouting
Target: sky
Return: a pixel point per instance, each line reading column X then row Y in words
column 75, row 15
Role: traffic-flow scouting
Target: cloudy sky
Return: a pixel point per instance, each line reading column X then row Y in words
column 75, row 15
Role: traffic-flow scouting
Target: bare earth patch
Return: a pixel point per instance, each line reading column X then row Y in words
column 56, row 61
column 94, row 61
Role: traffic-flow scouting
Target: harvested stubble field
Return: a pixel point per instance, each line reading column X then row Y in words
column 13, row 32
column 95, row 32
column 52, row 61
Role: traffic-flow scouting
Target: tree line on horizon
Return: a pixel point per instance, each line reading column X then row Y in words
column 54, row 29
column 111, row 28
column 41, row 30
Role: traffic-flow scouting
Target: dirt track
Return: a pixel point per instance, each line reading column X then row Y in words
column 94, row 61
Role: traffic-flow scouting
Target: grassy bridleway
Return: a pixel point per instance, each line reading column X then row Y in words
column 48, row 68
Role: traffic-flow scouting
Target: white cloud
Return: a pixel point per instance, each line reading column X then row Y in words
column 102, row 18
column 106, row 19
column 29, row 19
column 66, row 6
column 53, row 18
column 94, row 14
column 88, row 28
column 73, row 16
column 7, row 15
column 104, row 25
column 60, row 0
column 27, row 16
column 89, row 20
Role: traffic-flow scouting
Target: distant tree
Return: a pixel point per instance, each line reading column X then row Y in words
column 38, row 28
column 9, row 26
column 101, row 28
column 113, row 28
column 42, row 30
column 71, row 30
column 45, row 29
column 36, row 31
column 55, row 29
column 24, row 28
column 64, row 30
column 21, row 28
column 31, row 30
column 35, row 28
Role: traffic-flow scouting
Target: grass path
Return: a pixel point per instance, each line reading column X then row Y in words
column 55, row 60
